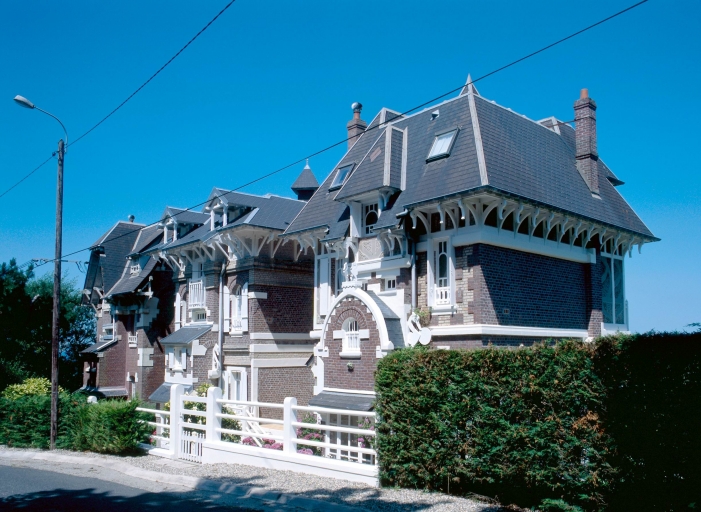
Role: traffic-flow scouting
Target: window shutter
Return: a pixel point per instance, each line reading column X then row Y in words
column 227, row 308
column 244, row 307
column 324, row 270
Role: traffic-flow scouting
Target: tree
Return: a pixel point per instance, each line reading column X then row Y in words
column 25, row 327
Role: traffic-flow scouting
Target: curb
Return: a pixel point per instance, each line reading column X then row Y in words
column 188, row 482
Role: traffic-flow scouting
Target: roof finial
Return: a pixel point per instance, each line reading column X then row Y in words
column 307, row 166
column 469, row 87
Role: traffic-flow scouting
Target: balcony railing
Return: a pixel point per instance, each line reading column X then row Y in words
column 132, row 340
column 236, row 324
column 443, row 295
column 351, row 342
column 196, row 294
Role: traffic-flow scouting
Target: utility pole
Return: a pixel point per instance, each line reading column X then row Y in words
column 55, row 326
column 25, row 103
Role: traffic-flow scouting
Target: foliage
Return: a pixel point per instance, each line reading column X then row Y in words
column 25, row 421
column 310, row 434
column 108, row 426
column 565, row 427
column 227, row 423
column 32, row 386
column 424, row 316
column 105, row 427
column 26, row 306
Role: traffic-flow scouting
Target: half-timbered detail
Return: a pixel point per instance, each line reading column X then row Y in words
column 459, row 226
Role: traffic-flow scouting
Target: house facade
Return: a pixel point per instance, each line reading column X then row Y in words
column 461, row 226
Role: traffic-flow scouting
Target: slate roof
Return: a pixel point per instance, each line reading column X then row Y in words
column 321, row 210
column 347, row 401
column 115, row 244
column 523, row 158
column 306, row 180
column 183, row 216
column 146, row 238
column 162, row 393
column 268, row 211
column 98, row 347
column 185, row 335
column 129, row 283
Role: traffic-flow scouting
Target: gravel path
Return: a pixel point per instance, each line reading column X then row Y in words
column 308, row 486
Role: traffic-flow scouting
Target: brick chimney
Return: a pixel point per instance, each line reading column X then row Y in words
column 585, row 137
column 355, row 126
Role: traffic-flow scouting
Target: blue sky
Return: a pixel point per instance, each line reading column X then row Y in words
column 271, row 82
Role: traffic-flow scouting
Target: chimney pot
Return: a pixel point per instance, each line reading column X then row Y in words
column 131, row 218
column 584, row 93
column 355, row 126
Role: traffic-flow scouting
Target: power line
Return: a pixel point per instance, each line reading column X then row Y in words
column 131, row 95
column 28, row 175
column 433, row 100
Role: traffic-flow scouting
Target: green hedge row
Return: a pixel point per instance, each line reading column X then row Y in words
column 612, row 425
column 105, row 427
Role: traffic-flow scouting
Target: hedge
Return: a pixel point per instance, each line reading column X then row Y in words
column 106, row 427
column 610, row 425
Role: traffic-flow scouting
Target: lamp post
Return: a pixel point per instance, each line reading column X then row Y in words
column 24, row 102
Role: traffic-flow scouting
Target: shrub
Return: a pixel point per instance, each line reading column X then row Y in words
column 30, row 387
column 573, row 426
column 25, row 422
column 310, row 434
column 109, row 426
column 520, row 424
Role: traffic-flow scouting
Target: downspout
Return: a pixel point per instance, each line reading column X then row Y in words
column 221, row 324
column 413, row 275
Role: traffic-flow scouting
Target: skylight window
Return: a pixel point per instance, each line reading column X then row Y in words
column 442, row 145
column 341, row 176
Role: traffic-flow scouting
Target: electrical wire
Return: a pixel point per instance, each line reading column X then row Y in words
column 130, row 96
column 433, row 100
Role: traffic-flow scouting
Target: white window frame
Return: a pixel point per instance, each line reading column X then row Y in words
column 368, row 208
column 442, row 151
column 391, row 283
column 322, row 286
column 341, row 176
column 242, row 382
column 612, row 284
column 238, row 307
column 351, row 337
column 447, row 306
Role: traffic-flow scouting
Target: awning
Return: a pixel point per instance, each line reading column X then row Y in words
column 162, row 394
column 185, row 335
column 98, row 347
column 348, row 401
column 105, row 392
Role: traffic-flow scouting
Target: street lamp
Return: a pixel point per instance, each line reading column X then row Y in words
column 24, row 102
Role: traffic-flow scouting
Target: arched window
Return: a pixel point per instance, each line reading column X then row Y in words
column 238, row 312
column 443, row 293
column 351, row 336
column 369, row 217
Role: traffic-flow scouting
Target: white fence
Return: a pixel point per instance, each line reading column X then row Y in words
column 327, row 442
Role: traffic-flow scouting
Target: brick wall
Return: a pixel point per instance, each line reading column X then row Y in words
column 336, row 372
column 275, row 384
column 499, row 286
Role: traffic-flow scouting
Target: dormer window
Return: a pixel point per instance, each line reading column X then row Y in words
column 135, row 269
column 442, row 145
column 341, row 176
column 369, row 217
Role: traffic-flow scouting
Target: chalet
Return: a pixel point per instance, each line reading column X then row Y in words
column 463, row 225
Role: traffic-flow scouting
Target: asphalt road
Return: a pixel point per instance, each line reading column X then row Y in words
column 32, row 489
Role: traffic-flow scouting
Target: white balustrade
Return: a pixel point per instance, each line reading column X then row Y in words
column 442, row 295
column 132, row 340
column 196, row 294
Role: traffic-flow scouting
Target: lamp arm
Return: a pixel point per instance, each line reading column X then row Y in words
column 65, row 132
